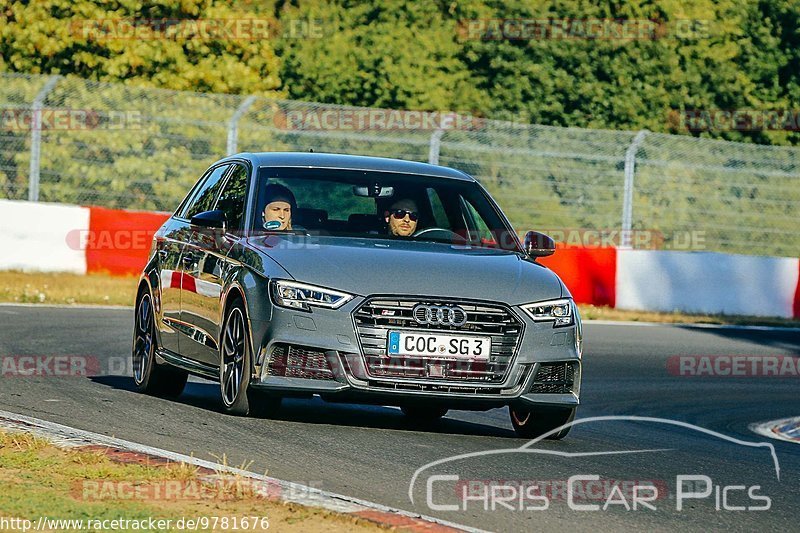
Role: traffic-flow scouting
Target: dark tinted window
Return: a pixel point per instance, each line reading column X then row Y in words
column 207, row 192
column 232, row 199
column 358, row 203
column 439, row 215
column 475, row 222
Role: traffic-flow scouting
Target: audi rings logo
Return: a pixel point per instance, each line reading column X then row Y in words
column 440, row 315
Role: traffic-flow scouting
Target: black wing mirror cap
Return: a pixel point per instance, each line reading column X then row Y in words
column 210, row 219
column 539, row 245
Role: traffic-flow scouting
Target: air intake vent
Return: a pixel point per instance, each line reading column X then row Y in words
column 299, row 362
column 554, row 378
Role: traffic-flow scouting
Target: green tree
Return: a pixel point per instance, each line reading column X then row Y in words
column 380, row 53
column 66, row 37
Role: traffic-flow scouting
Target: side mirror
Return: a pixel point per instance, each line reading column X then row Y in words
column 210, row 219
column 538, row 244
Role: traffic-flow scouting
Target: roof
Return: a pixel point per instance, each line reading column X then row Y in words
column 351, row 162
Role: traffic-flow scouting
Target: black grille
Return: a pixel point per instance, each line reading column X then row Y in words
column 299, row 362
column 554, row 378
column 376, row 317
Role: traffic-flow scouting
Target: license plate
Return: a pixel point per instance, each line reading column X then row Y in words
column 439, row 345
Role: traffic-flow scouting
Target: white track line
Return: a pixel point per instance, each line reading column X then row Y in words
column 297, row 493
column 686, row 325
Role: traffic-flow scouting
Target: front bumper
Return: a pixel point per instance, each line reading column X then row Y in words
column 302, row 353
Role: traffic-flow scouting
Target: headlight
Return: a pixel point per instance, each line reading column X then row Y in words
column 557, row 311
column 301, row 296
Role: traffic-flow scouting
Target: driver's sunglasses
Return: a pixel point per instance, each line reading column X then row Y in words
column 400, row 214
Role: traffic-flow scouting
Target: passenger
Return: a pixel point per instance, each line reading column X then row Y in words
column 402, row 218
column 277, row 215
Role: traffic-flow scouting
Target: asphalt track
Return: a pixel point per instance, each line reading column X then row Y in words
column 373, row 452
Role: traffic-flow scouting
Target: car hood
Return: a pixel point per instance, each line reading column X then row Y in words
column 366, row 266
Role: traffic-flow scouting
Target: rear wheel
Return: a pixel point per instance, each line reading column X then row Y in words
column 235, row 369
column 532, row 422
column 148, row 375
column 423, row 414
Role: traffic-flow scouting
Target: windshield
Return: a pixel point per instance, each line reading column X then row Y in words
column 378, row 205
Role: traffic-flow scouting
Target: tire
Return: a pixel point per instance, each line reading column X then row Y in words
column 424, row 415
column 534, row 422
column 235, row 369
column 148, row 376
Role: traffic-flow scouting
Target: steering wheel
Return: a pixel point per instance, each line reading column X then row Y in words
column 442, row 234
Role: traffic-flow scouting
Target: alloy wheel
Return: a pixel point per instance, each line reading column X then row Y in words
column 143, row 342
column 233, row 351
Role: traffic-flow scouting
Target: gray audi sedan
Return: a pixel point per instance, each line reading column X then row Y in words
column 358, row 279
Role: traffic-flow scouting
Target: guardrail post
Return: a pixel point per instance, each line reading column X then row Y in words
column 36, row 138
column 233, row 124
column 627, row 194
column 435, row 145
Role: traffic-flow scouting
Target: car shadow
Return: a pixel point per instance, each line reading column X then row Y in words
column 318, row 411
column 787, row 340
column 314, row 410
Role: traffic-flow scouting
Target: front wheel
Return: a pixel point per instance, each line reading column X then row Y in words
column 532, row 422
column 148, row 375
column 235, row 369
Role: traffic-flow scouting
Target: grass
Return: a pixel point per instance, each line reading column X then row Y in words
column 593, row 312
column 61, row 288
column 100, row 289
column 63, row 484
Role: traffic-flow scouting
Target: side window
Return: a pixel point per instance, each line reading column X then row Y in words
column 206, row 194
column 477, row 225
column 439, row 215
column 233, row 198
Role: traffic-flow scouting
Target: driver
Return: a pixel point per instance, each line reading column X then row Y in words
column 402, row 218
column 277, row 213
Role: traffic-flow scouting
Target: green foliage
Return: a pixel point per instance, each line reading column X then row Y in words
column 705, row 54
column 65, row 37
column 391, row 54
